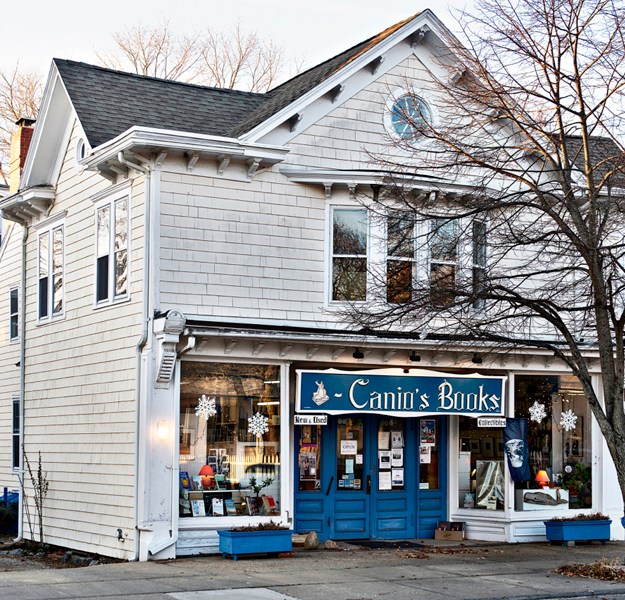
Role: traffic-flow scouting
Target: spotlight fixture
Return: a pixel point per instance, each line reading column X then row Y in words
column 414, row 357
column 358, row 353
column 477, row 359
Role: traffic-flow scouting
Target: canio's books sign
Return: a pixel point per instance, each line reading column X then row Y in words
column 393, row 392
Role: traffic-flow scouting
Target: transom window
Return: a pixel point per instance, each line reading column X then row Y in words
column 349, row 254
column 50, row 280
column 112, row 250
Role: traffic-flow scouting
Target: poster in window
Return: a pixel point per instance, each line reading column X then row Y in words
column 397, row 477
column 397, row 439
column 384, row 459
column 349, row 447
column 428, row 431
column 425, row 455
column 397, row 457
column 384, row 440
column 384, row 480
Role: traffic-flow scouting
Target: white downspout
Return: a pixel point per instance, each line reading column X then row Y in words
column 145, row 316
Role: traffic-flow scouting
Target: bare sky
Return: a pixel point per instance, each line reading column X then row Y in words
column 312, row 30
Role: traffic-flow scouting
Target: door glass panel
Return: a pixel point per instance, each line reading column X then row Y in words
column 309, row 458
column 391, row 457
column 429, row 442
column 349, row 454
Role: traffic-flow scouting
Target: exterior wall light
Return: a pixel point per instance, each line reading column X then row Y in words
column 414, row 357
column 477, row 359
column 358, row 353
column 162, row 430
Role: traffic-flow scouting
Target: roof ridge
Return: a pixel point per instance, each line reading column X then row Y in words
column 156, row 79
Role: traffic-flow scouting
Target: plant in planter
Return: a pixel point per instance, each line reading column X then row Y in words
column 261, row 538
column 568, row 530
column 258, row 487
column 576, row 479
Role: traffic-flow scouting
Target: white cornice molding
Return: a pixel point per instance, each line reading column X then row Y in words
column 29, row 205
column 137, row 138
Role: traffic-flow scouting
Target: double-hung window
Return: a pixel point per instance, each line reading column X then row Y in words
column 443, row 261
column 50, row 280
column 400, row 257
column 479, row 263
column 14, row 314
column 112, row 229
column 16, row 435
column 349, row 254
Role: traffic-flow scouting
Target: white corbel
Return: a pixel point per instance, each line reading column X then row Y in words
column 192, row 159
column 252, row 167
column 223, row 160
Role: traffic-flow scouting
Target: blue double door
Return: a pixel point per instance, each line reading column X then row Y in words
column 373, row 477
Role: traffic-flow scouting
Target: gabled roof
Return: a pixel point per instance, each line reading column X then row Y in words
column 289, row 91
column 605, row 154
column 110, row 102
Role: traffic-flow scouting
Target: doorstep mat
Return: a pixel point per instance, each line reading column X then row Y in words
column 382, row 544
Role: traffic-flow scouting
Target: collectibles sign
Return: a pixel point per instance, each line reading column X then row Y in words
column 393, row 392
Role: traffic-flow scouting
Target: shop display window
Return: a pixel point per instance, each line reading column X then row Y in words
column 350, row 451
column 309, row 458
column 429, row 442
column 558, row 439
column 481, row 475
column 229, row 440
column 391, row 466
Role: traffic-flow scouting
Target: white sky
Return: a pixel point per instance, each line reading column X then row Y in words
column 307, row 29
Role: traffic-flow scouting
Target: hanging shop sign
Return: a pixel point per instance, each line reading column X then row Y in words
column 310, row 419
column 393, row 392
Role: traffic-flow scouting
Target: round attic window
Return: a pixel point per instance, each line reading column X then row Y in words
column 410, row 115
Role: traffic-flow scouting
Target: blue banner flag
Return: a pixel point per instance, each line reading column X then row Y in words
column 393, row 392
column 517, row 449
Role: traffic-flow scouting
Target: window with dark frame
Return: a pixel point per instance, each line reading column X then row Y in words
column 14, row 328
column 111, row 278
column 15, row 459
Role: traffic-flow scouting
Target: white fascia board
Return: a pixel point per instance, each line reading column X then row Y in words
column 425, row 19
column 147, row 137
column 45, row 107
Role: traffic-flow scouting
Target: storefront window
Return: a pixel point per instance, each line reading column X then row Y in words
column 350, row 450
column 429, row 442
column 559, row 443
column 229, row 440
column 481, row 481
column 309, row 458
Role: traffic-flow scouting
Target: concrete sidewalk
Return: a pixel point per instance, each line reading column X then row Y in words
column 520, row 571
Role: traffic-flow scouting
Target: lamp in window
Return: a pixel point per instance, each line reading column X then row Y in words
column 208, row 476
column 542, row 478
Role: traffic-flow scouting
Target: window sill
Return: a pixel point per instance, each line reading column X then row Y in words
column 55, row 319
column 111, row 303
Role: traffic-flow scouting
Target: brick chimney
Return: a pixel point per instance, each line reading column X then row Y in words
column 19, row 148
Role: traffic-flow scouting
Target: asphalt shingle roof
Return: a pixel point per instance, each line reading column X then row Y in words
column 110, row 102
column 606, row 156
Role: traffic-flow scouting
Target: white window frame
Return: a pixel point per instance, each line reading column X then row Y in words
column 111, row 201
column 16, row 433
column 14, row 315
column 331, row 256
column 49, row 229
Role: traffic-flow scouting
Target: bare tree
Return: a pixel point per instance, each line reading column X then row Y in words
column 239, row 58
column 156, row 52
column 528, row 112
column 20, row 94
column 234, row 59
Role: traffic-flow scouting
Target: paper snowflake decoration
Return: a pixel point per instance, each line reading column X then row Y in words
column 537, row 412
column 206, row 407
column 568, row 420
column 259, row 424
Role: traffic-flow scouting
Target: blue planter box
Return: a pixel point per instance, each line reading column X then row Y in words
column 575, row 531
column 235, row 543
